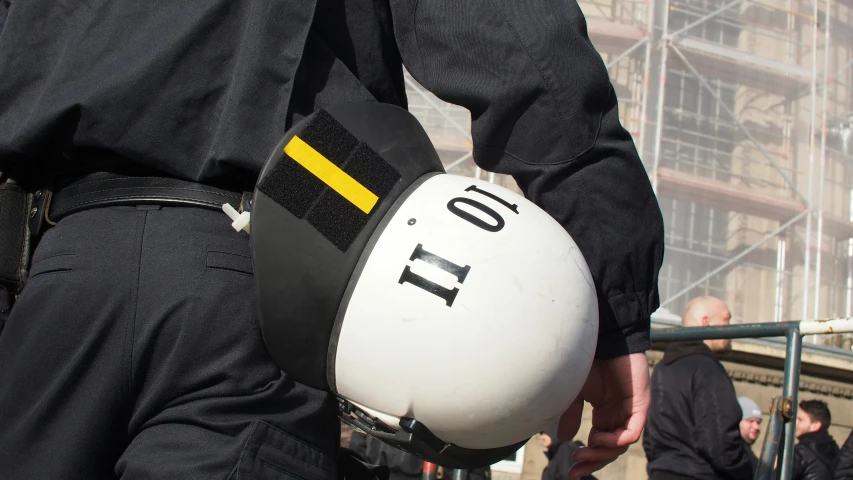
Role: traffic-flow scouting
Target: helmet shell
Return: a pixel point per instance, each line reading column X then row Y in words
column 472, row 310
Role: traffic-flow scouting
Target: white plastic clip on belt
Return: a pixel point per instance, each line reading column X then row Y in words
column 240, row 220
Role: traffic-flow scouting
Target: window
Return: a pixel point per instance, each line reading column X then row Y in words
column 511, row 464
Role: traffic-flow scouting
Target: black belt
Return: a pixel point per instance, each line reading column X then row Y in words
column 104, row 189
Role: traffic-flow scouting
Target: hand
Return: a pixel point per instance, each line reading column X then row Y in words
column 545, row 440
column 618, row 390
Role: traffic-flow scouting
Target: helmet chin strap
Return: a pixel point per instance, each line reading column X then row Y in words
column 355, row 417
column 414, row 437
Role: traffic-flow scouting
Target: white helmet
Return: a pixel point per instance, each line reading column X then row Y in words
column 452, row 317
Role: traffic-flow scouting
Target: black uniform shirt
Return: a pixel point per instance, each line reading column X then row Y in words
column 202, row 89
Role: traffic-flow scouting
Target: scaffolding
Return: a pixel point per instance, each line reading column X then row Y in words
column 742, row 111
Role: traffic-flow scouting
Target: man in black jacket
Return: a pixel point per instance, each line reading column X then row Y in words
column 807, row 465
column 138, row 325
column 816, row 452
column 692, row 430
column 560, row 455
column 844, row 464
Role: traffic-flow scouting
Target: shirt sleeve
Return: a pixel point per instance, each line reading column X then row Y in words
column 543, row 110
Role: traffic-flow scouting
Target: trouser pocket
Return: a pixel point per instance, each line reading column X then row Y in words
column 273, row 454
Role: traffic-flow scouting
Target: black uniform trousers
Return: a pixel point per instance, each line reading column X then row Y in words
column 135, row 352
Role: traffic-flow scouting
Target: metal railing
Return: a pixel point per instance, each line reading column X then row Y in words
column 783, row 410
column 430, row 472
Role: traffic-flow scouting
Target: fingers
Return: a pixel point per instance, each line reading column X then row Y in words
column 632, row 429
column 594, row 386
column 578, row 470
column 618, row 389
column 570, row 421
column 597, row 454
column 591, row 459
column 620, row 421
column 622, row 436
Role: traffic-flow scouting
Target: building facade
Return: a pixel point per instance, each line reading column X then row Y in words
column 743, row 114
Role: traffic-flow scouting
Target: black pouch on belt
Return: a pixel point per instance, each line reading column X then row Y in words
column 15, row 234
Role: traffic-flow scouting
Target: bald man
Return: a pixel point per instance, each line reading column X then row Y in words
column 693, row 425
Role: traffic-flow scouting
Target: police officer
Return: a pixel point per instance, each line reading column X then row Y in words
column 133, row 351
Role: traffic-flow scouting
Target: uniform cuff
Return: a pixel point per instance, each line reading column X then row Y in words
column 624, row 324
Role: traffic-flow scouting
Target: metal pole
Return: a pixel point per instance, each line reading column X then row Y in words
column 626, row 53
column 849, row 297
column 661, row 86
column 459, row 161
column 834, row 325
column 781, row 250
column 849, row 302
column 650, row 22
column 770, row 447
column 743, row 330
column 755, row 330
column 734, row 259
column 789, row 58
column 849, row 294
column 782, row 244
column 460, row 474
column 790, row 388
column 790, row 30
column 822, row 176
column 808, row 247
column 429, row 471
column 842, row 69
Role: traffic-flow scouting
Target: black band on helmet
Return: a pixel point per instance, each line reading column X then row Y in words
column 293, row 186
column 310, row 226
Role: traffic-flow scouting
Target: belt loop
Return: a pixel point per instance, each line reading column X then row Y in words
column 48, row 198
column 249, row 182
column 39, row 208
column 246, row 201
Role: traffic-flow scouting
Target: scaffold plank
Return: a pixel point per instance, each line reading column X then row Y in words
column 737, row 66
column 736, row 198
column 613, row 37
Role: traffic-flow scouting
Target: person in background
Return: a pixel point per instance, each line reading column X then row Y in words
column 750, row 422
column 560, row 455
column 692, row 429
column 816, row 452
column 750, row 425
column 844, row 462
